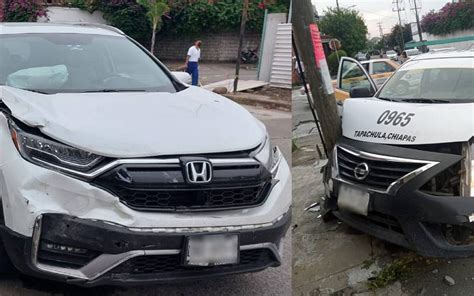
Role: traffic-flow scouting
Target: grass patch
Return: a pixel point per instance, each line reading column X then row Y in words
column 294, row 146
column 402, row 268
column 399, row 270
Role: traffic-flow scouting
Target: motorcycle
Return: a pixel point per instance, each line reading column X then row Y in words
column 249, row 56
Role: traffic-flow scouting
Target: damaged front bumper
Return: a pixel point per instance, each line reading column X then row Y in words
column 91, row 253
column 112, row 243
column 402, row 213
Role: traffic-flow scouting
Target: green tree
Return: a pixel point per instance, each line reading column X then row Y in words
column 333, row 61
column 348, row 26
column 393, row 39
column 155, row 11
column 373, row 43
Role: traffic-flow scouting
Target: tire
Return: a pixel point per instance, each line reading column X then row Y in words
column 6, row 266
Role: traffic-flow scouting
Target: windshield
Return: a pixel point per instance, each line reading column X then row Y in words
column 64, row 63
column 431, row 85
column 391, row 52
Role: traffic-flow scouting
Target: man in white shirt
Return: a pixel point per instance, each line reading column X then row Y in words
column 192, row 59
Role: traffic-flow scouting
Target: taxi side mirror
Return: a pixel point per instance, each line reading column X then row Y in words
column 361, row 92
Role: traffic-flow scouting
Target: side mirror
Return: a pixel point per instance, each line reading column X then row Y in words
column 184, row 77
column 361, row 92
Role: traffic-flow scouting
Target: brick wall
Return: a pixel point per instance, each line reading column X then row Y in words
column 216, row 47
column 1, row 9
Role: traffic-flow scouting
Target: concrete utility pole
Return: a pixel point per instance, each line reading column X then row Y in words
column 337, row 4
column 243, row 21
column 398, row 9
column 423, row 48
column 381, row 35
column 324, row 100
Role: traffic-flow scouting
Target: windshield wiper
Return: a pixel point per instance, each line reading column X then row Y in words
column 388, row 99
column 114, row 90
column 424, row 100
column 36, row 91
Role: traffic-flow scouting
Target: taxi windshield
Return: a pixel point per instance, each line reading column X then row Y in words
column 431, row 85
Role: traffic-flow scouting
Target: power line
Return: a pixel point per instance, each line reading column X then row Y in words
column 378, row 14
column 381, row 35
column 398, row 6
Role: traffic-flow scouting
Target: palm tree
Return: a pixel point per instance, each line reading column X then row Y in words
column 155, row 10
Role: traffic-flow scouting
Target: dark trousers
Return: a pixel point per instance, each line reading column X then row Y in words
column 193, row 70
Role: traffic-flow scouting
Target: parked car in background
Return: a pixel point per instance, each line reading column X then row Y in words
column 379, row 70
column 412, row 52
column 392, row 54
column 375, row 52
column 360, row 56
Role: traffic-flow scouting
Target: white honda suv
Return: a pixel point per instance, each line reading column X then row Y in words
column 112, row 171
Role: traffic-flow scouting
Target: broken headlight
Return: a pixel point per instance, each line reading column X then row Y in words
column 269, row 156
column 49, row 153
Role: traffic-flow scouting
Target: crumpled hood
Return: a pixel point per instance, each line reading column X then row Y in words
column 139, row 124
column 428, row 124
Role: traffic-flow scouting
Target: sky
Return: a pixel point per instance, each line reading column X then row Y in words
column 375, row 11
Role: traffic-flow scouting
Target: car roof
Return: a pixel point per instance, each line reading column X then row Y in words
column 447, row 59
column 375, row 60
column 67, row 28
column 445, row 55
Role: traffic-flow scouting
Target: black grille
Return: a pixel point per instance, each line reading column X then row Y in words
column 385, row 221
column 165, row 188
column 158, row 264
column 192, row 198
column 382, row 173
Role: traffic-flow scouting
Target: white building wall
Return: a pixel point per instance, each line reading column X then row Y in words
column 458, row 45
column 282, row 62
column 57, row 14
column 268, row 44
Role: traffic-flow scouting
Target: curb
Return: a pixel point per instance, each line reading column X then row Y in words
column 259, row 100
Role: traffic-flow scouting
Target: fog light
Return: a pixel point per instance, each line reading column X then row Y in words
column 62, row 248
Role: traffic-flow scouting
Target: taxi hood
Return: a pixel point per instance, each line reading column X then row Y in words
column 377, row 121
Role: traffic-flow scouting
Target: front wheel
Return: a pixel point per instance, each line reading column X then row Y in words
column 6, row 266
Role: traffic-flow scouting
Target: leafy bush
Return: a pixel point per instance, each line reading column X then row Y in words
column 129, row 17
column 333, row 63
column 88, row 5
column 23, row 10
column 346, row 25
column 452, row 17
column 203, row 16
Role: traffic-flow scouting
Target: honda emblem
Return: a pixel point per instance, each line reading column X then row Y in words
column 199, row 172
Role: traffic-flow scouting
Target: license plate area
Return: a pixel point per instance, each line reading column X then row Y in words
column 212, row 250
column 353, row 199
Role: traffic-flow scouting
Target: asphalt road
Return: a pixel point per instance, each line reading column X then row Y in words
column 303, row 120
column 272, row 281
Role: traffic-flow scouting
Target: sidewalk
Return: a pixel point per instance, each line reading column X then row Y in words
column 214, row 72
column 266, row 96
